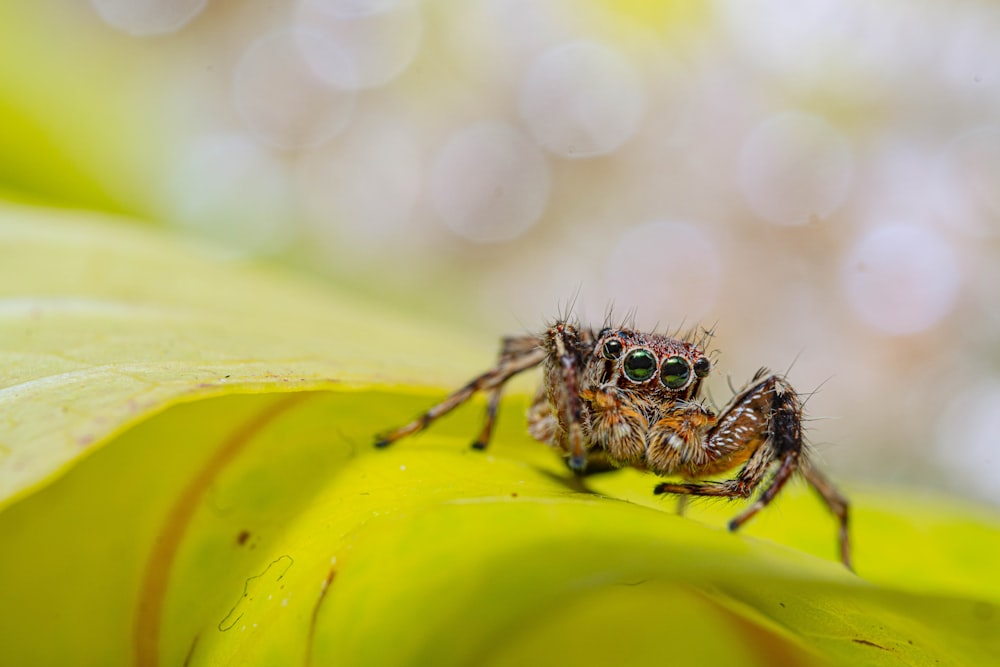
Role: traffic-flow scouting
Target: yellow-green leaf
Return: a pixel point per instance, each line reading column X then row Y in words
column 187, row 477
column 103, row 323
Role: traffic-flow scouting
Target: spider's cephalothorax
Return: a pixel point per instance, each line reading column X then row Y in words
column 619, row 397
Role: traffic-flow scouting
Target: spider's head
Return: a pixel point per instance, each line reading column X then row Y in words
column 650, row 361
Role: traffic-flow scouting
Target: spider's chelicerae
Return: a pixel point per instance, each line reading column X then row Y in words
column 619, row 397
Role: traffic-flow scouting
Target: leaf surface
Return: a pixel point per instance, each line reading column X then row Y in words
column 187, row 477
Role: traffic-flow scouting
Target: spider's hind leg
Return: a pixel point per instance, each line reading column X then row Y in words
column 766, row 421
column 837, row 503
column 783, row 443
column 762, row 425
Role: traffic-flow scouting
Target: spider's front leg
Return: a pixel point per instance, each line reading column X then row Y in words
column 558, row 414
column 761, row 427
column 517, row 355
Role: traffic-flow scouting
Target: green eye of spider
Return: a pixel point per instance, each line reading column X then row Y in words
column 612, row 349
column 674, row 372
column 702, row 366
column 639, row 365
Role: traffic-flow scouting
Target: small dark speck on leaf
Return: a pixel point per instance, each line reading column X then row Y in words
column 865, row 642
column 242, row 538
column 514, row 495
column 781, row 604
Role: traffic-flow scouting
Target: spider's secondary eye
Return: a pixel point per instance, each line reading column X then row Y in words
column 613, row 349
column 640, row 365
column 702, row 367
column 674, row 372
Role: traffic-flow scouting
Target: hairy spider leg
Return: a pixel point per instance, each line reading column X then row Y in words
column 835, row 500
column 511, row 348
column 562, row 380
column 512, row 362
column 741, row 435
column 492, row 405
column 778, row 439
column 789, row 462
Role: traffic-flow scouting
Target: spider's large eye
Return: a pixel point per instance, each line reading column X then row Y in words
column 702, row 367
column 674, row 372
column 639, row 365
column 612, row 349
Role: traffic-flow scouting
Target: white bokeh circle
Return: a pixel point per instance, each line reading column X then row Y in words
column 969, row 177
column 795, row 167
column 901, row 279
column 228, row 187
column 148, row 17
column 365, row 190
column 800, row 39
column 582, row 100
column 966, row 438
column 355, row 8
column 489, row 182
column 499, row 39
column 380, row 37
column 670, row 269
column 286, row 101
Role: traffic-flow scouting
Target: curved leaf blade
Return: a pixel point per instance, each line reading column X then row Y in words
column 250, row 521
column 102, row 324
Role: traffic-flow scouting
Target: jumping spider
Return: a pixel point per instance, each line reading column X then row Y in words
column 619, row 397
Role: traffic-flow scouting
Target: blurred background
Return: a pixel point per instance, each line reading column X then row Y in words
column 819, row 181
